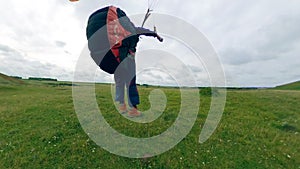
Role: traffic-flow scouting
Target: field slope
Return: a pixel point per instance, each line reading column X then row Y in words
column 290, row 86
column 9, row 80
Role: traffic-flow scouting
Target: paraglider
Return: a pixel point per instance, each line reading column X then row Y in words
column 112, row 40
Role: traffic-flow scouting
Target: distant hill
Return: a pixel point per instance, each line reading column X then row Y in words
column 290, row 86
column 4, row 79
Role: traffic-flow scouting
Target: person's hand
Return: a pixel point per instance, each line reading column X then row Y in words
column 159, row 38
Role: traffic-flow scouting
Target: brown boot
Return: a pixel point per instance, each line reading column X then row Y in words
column 133, row 112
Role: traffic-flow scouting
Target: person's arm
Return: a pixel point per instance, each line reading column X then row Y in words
column 147, row 32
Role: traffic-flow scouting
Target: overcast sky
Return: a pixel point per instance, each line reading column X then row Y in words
column 258, row 41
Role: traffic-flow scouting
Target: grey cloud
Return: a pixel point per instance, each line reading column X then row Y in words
column 8, row 51
column 264, row 73
column 236, row 56
column 155, row 77
column 195, row 69
column 270, row 37
column 280, row 36
column 5, row 48
column 15, row 63
column 60, row 44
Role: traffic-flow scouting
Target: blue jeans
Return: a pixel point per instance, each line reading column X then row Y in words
column 125, row 76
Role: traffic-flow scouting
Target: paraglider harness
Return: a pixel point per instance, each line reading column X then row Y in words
column 112, row 36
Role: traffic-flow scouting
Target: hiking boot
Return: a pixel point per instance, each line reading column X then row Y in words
column 133, row 112
column 122, row 108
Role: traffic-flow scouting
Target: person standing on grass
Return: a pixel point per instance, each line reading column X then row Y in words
column 112, row 40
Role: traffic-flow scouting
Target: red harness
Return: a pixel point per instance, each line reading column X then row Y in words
column 115, row 31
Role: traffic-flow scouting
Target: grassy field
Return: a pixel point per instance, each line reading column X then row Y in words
column 291, row 86
column 39, row 129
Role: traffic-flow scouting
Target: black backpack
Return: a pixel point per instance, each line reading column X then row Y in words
column 111, row 36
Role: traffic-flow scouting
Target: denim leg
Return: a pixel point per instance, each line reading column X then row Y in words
column 120, row 87
column 132, row 92
column 125, row 75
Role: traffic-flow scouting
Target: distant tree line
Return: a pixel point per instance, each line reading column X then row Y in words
column 42, row 79
column 36, row 78
column 16, row 77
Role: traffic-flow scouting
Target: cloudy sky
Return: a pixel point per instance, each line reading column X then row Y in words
column 258, row 42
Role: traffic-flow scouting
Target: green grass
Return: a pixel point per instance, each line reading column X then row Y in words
column 290, row 86
column 9, row 80
column 39, row 129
